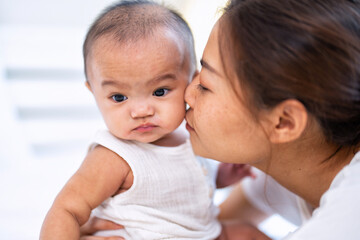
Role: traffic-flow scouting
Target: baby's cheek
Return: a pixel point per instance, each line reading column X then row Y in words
column 120, row 132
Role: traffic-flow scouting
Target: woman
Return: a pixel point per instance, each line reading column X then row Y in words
column 279, row 89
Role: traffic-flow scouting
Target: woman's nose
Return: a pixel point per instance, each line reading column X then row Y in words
column 142, row 109
column 190, row 93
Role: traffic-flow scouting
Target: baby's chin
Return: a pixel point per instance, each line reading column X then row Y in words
column 156, row 137
column 162, row 140
column 150, row 139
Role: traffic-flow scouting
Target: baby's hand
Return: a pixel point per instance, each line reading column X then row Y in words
column 97, row 224
column 230, row 173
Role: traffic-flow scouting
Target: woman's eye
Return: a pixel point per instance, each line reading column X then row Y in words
column 161, row 92
column 201, row 87
column 119, row 98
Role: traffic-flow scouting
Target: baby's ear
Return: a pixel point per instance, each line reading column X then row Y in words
column 87, row 84
column 288, row 121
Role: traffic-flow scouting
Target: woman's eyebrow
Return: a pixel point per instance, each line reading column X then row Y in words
column 206, row 65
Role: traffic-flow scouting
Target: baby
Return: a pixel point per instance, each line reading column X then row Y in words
column 141, row 172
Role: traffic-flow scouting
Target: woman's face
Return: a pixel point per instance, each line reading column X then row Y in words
column 220, row 125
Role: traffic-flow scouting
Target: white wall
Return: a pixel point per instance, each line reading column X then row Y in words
column 71, row 13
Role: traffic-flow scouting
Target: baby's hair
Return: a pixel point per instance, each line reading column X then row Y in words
column 132, row 20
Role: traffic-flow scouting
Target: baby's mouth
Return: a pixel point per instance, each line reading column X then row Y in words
column 145, row 127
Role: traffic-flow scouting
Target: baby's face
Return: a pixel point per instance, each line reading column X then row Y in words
column 139, row 87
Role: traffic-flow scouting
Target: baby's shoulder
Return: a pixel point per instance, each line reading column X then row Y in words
column 103, row 155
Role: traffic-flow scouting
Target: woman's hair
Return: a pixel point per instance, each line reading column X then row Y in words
column 307, row 50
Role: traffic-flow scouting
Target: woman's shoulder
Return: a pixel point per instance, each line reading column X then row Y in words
column 339, row 210
column 349, row 176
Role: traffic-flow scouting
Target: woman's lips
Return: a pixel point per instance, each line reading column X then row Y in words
column 189, row 128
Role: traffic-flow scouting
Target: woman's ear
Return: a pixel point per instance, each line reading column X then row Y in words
column 288, row 121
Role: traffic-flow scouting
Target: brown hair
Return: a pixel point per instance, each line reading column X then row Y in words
column 133, row 20
column 307, row 50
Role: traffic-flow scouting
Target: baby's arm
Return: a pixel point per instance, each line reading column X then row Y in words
column 100, row 176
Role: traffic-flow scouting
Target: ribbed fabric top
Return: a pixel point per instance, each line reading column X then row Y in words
column 171, row 195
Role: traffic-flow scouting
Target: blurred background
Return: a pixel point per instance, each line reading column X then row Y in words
column 47, row 114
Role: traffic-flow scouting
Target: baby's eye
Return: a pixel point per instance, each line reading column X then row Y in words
column 119, row 98
column 160, row 92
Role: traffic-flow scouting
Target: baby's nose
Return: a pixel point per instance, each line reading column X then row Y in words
column 142, row 109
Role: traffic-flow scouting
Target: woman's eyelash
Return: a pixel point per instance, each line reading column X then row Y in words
column 201, row 87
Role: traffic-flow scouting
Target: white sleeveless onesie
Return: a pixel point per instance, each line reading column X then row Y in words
column 171, row 196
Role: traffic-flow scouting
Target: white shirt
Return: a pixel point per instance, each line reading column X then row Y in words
column 171, row 196
column 336, row 218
